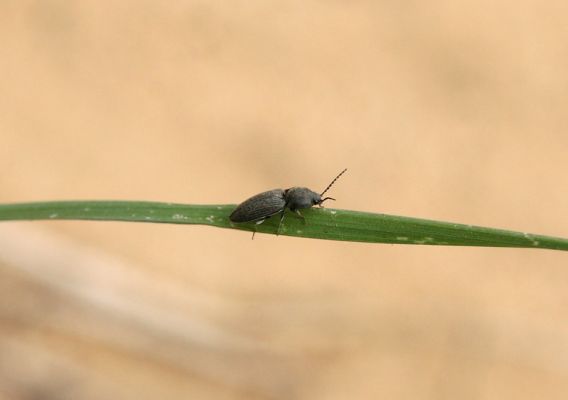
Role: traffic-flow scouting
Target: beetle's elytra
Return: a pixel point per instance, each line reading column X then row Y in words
column 266, row 204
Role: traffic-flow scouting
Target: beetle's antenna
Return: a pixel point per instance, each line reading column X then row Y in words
column 333, row 181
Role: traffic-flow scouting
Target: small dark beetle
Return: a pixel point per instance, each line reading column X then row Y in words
column 266, row 204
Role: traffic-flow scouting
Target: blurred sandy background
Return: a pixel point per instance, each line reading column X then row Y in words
column 455, row 111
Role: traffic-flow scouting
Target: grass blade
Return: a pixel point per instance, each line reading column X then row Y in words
column 330, row 224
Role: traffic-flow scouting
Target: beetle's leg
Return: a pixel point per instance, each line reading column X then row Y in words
column 281, row 219
column 260, row 221
column 301, row 216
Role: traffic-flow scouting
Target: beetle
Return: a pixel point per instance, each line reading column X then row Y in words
column 264, row 205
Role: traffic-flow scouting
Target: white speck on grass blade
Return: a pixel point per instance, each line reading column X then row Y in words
column 529, row 237
column 424, row 240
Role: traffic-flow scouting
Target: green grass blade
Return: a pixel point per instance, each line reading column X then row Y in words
column 330, row 224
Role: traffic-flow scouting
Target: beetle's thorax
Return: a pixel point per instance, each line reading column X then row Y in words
column 301, row 197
